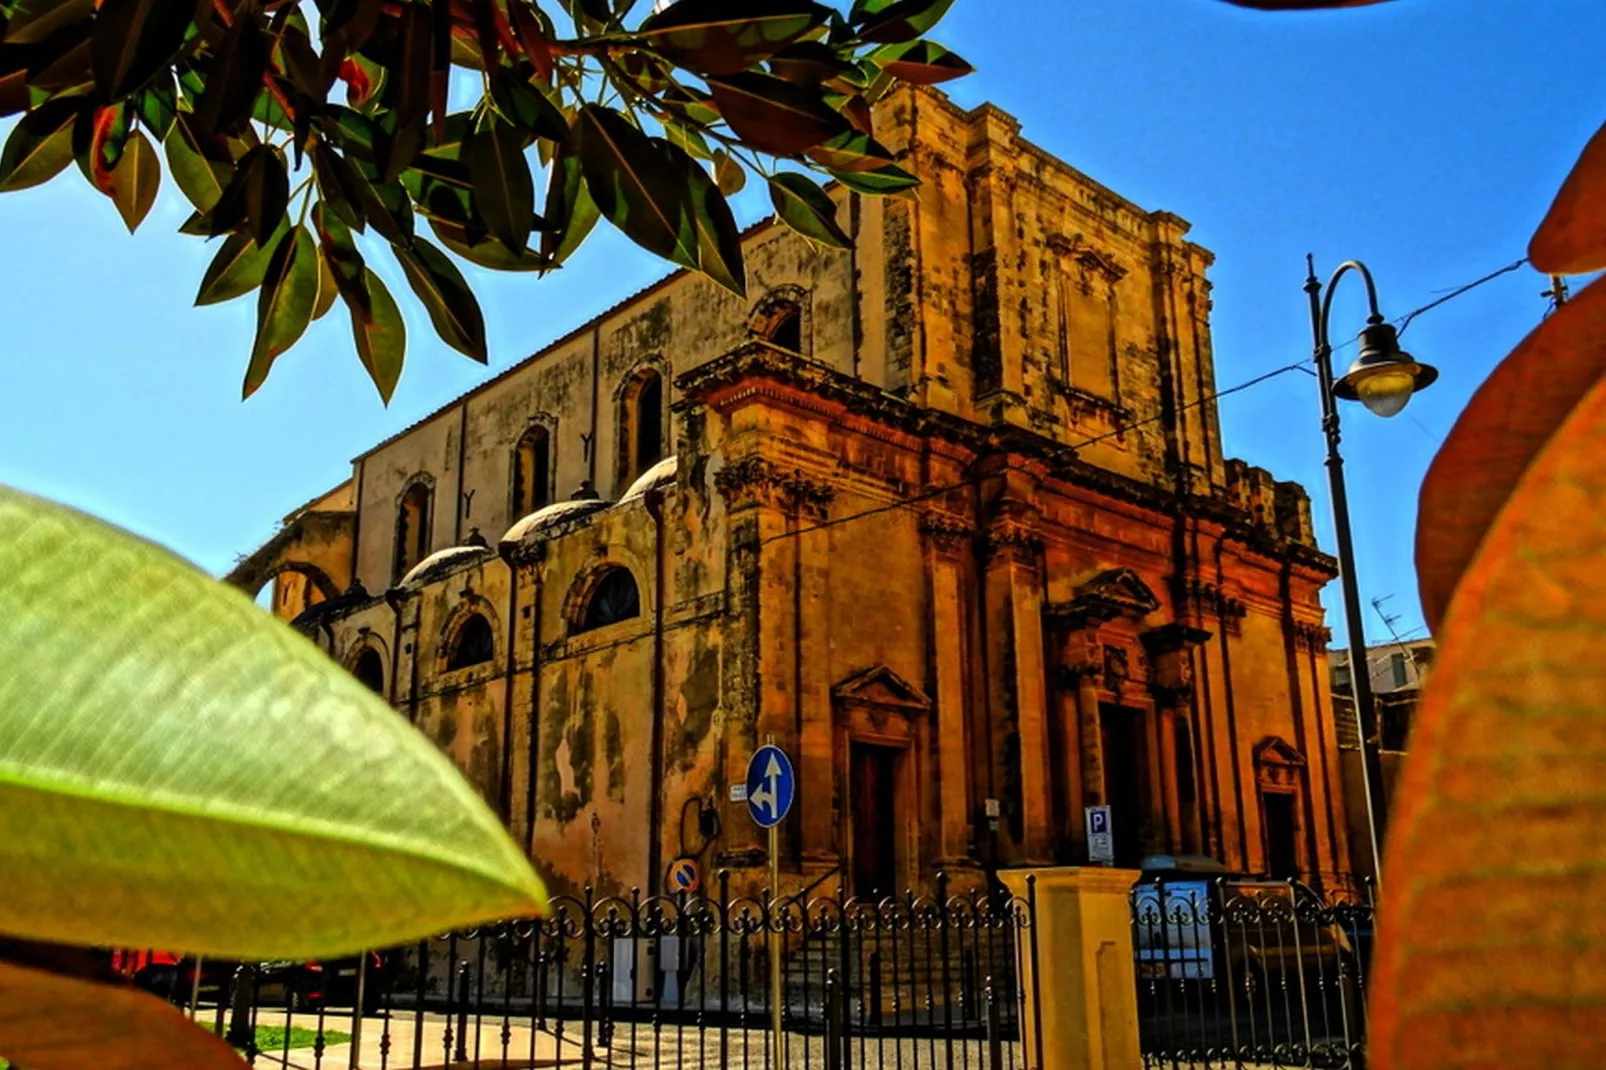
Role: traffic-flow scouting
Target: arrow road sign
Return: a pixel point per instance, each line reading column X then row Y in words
column 771, row 787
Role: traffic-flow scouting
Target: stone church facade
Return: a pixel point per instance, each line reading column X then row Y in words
column 946, row 515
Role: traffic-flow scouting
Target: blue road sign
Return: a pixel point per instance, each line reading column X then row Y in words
column 1098, row 819
column 771, row 786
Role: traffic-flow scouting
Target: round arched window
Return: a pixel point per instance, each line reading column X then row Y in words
column 614, row 598
column 473, row 645
column 370, row 670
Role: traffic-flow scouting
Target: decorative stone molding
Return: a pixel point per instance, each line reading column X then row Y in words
column 1310, row 636
column 754, row 481
column 1116, row 667
column 1278, row 766
column 1171, row 667
column 1112, row 594
column 1012, row 538
column 1207, row 599
column 947, row 533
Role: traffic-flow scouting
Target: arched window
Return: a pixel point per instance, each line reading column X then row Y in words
column 532, row 471
column 641, row 426
column 472, row 645
column 613, row 599
column 370, row 670
column 780, row 322
column 412, row 528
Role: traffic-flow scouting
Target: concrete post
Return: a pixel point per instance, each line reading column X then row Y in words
column 1079, row 980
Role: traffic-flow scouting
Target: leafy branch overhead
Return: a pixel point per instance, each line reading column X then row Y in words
column 295, row 128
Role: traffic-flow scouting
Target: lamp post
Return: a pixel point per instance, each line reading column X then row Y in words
column 1383, row 378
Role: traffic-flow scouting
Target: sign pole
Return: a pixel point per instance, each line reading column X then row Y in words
column 776, row 931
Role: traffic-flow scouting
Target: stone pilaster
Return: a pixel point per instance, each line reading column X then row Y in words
column 948, row 548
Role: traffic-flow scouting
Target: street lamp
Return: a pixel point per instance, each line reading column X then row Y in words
column 1383, row 378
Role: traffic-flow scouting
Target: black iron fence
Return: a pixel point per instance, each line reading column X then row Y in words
column 906, row 982
column 1250, row 974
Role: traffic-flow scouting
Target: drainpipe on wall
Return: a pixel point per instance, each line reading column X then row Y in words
column 506, row 552
column 535, row 558
column 655, row 804
column 394, row 599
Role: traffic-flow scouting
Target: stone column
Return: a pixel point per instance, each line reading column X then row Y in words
column 815, row 744
column 1171, row 684
column 948, row 544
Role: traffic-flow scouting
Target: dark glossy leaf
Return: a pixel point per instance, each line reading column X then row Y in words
column 891, row 21
column 807, row 209
column 158, row 105
column 135, row 180
column 396, row 148
column 134, row 39
column 884, row 181
column 728, row 36
column 719, row 240
column 234, row 79
column 301, row 64
column 634, row 190
column 921, row 62
column 201, row 179
column 267, row 110
column 14, row 94
column 526, row 107
column 34, row 21
column 687, row 140
column 380, row 334
column 386, row 206
column 353, row 21
column 534, row 35
column 503, row 188
column 810, row 63
column 237, row 268
column 40, row 145
column 570, row 210
column 197, row 225
column 98, row 139
column 851, row 151
column 729, row 175
column 1572, row 238
column 856, row 110
column 446, row 296
column 328, row 289
column 285, row 303
column 486, row 252
column 409, row 88
column 63, row 63
column 338, row 249
column 691, row 104
column 257, row 194
column 773, row 115
column 340, row 186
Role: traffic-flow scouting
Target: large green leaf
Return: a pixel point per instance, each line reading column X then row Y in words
column 503, row 189
column 340, row 186
column 891, row 21
column 921, row 62
column 884, row 181
column 851, row 151
column 773, row 115
column 157, row 104
column 135, row 180
column 381, row 336
column 284, row 304
column 339, row 251
column 727, row 36
column 807, row 209
column 719, row 240
column 134, row 39
column 452, row 307
column 633, row 188
column 526, row 107
column 35, row 21
column 234, row 78
column 570, row 210
column 237, row 268
column 486, row 252
column 729, row 174
column 201, row 178
column 40, row 145
column 257, row 194
column 182, row 771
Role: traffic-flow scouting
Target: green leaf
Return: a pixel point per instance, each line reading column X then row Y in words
column 257, row 194
column 719, row 240
column 200, row 178
column 285, row 303
column 807, row 209
column 387, row 206
column 135, row 180
column 921, row 62
column 884, row 181
column 503, row 188
column 526, row 107
column 339, row 251
column 35, row 21
column 729, row 174
column 195, row 751
column 632, row 186
column 446, row 296
column 570, row 210
column 486, row 252
column 810, row 63
column 890, row 21
column 728, row 36
column 98, row 139
column 687, row 140
column 328, row 288
column 773, row 115
column 381, row 336
column 407, row 92
column 158, row 105
column 340, row 186
column 234, row 79
column 238, row 268
column 134, row 39
column 851, row 151
column 14, row 93
column 40, row 145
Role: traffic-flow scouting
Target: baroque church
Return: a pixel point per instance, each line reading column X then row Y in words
column 946, row 515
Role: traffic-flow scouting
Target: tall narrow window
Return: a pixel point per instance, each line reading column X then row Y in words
column 370, row 670
column 641, row 426
column 472, row 645
column 532, row 471
column 412, row 528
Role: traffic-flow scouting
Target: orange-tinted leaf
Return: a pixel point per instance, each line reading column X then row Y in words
column 1502, row 429
column 775, row 116
column 1491, row 952
column 58, row 1012
column 1572, row 239
column 135, row 180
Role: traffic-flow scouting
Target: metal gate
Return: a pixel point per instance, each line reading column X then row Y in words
column 1250, row 974
column 910, row 981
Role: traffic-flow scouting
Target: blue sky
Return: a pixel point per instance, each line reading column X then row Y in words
column 1425, row 137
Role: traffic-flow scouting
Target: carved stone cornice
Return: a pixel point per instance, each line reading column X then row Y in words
column 752, row 481
column 1112, row 594
column 947, row 533
column 1207, row 599
column 1013, row 539
column 1311, row 636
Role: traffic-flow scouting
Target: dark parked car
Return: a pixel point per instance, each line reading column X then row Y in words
column 298, row 985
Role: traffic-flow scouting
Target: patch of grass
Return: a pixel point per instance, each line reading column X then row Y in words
column 271, row 1038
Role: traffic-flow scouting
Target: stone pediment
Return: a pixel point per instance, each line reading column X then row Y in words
column 880, row 687
column 1274, row 750
column 1113, row 593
